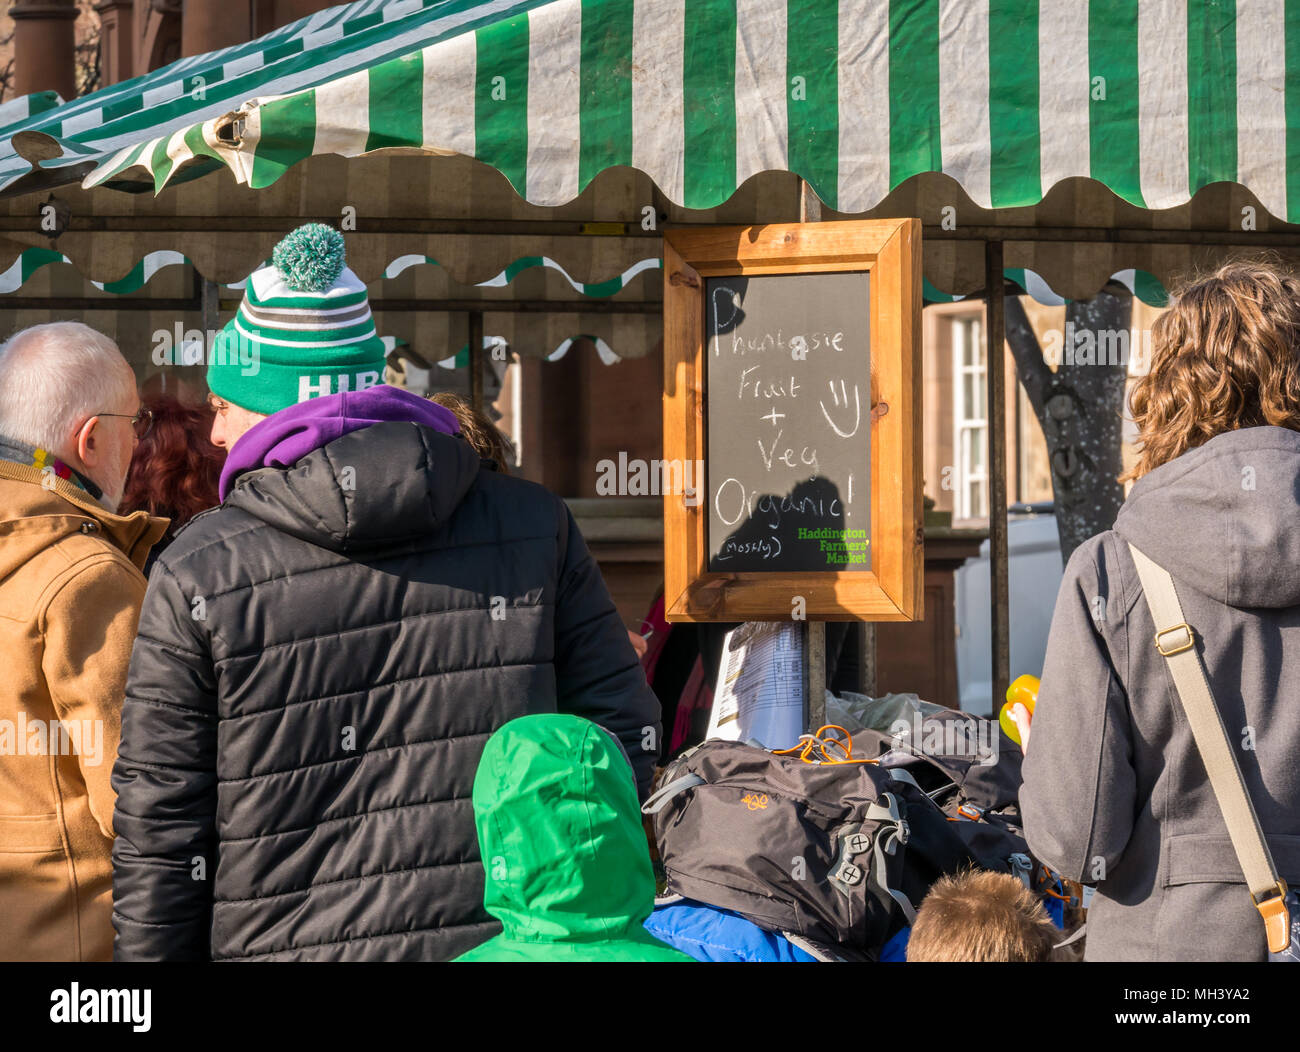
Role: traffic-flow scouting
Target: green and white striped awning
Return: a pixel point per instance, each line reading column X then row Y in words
column 1144, row 286
column 1141, row 284
column 1154, row 98
column 33, row 259
column 25, row 107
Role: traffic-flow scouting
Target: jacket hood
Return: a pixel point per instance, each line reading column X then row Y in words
column 385, row 484
column 34, row 516
column 284, row 438
column 560, row 833
column 1224, row 518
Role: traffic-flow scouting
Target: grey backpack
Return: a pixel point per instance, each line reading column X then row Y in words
column 838, row 853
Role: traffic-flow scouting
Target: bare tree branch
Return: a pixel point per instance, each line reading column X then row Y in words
column 1028, row 355
column 1079, row 407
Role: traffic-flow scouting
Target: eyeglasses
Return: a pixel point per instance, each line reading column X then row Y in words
column 142, row 422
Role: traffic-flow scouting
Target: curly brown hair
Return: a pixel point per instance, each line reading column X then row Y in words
column 478, row 430
column 175, row 467
column 1225, row 355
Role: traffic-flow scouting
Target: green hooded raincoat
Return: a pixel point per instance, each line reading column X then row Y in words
column 568, row 869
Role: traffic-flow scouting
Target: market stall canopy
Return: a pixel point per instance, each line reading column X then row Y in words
column 23, row 108
column 1094, row 141
column 466, row 216
column 534, row 304
column 1153, row 98
column 1141, row 284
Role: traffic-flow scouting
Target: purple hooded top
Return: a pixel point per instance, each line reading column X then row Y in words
column 284, row 438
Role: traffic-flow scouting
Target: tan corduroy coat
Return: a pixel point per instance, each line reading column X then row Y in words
column 70, row 594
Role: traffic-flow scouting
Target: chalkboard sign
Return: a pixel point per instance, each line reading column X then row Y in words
column 788, row 385
column 792, row 387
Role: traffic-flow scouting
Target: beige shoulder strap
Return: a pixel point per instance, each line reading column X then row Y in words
column 1177, row 644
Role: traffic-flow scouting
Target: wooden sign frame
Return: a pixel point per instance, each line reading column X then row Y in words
column 890, row 250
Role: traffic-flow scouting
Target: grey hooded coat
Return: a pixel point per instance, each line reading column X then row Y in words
column 1115, row 792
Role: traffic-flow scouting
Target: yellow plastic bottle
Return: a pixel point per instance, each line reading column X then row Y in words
column 1023, row 689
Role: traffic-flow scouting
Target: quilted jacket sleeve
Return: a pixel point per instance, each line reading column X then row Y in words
column 166, row 782
column 597, row 672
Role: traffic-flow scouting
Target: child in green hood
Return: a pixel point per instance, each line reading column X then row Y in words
column 567, row 865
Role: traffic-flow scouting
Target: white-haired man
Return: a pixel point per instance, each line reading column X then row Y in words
column 70, row 594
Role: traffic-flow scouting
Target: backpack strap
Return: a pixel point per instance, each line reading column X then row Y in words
column 894, row 831
column 1176, row 643
column 902, row 774
column 661, row 797
column 1081, row 933
column 815, row 950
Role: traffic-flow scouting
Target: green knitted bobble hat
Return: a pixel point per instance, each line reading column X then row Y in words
column 304, row 329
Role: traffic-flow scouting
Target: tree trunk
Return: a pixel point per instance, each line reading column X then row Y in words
column 1079, row 406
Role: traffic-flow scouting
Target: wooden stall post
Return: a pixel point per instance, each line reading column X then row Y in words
column 866, row 658
column 476, row 359
column 210, row 310
column 814, row 675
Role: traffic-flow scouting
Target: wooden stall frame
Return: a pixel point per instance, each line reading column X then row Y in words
column 890, row 251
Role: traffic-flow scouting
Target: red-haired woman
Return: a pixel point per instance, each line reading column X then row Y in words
column 175, row 468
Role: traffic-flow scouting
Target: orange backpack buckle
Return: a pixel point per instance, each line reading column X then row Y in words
column 1277, row 918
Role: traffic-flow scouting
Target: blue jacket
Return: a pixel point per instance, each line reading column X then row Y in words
column 710, row 934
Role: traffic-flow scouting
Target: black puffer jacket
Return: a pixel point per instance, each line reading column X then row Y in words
column 316, row 673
